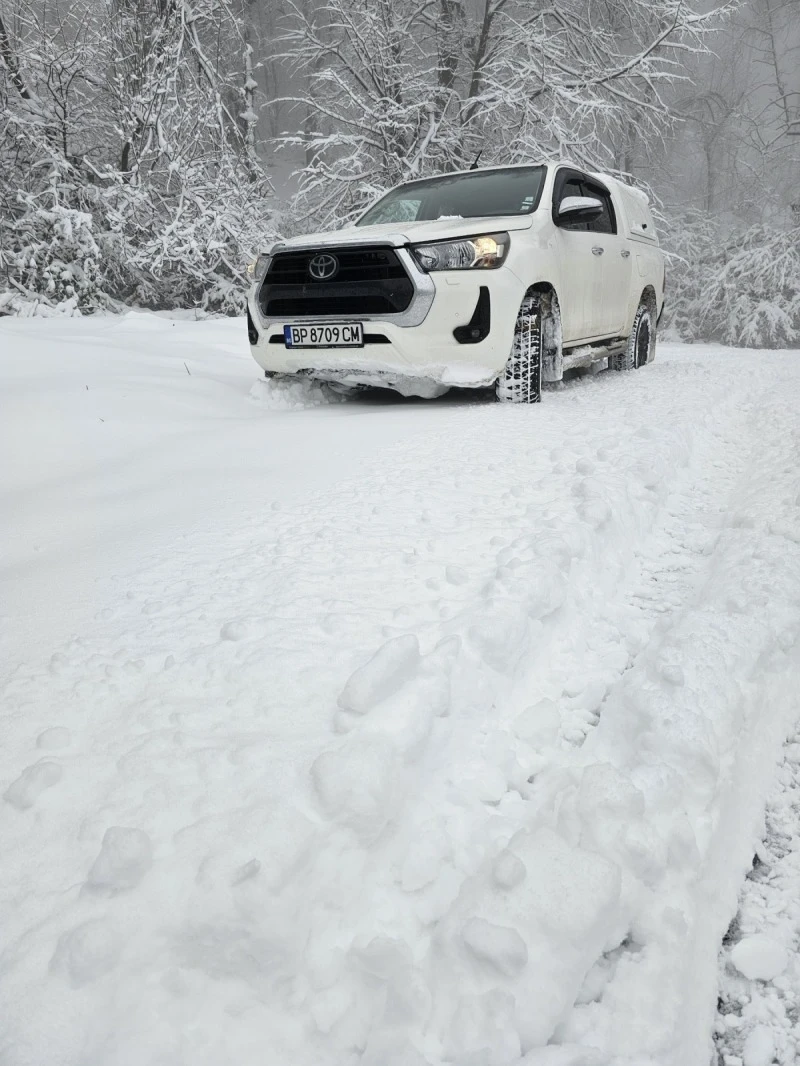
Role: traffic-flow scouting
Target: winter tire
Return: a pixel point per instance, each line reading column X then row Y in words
column 641, row 347
column 536, row 344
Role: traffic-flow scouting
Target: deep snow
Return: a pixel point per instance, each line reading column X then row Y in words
column 384, row 732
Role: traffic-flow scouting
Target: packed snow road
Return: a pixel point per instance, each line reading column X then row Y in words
column 386, row 732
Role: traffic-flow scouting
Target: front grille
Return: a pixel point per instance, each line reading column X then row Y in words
column 368, row 281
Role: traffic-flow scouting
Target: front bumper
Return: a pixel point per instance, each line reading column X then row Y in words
column 415, row 350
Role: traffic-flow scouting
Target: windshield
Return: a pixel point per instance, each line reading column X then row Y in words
column 482, row 194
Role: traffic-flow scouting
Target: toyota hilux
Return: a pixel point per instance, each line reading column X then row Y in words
column 506, row 276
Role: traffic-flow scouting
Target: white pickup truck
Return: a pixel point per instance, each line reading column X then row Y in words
column 502, row 275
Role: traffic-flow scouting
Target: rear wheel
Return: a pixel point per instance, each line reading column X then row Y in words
column 537, row 343
column 641, row 347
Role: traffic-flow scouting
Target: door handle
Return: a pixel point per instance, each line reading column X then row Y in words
column 597, row 250
column 625, row 253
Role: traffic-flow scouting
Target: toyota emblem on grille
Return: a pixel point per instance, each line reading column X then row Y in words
column 323, row 267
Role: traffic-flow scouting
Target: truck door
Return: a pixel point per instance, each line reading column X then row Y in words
column 612, row 252
column 580, row 270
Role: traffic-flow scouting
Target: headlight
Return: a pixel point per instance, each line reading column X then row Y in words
column 469, row 253
column 259, row 267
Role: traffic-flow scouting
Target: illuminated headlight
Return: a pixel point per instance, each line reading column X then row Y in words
column 258, row 268
column 469, row 253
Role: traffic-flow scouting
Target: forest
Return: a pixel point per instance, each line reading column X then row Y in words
column 150, row 148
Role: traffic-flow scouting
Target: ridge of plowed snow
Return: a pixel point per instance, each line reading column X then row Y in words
column 758, row 1020
column 458, row 758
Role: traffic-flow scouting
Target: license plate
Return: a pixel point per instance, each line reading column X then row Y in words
column 340, row 335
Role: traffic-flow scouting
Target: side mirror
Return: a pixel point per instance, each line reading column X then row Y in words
column 578, row 209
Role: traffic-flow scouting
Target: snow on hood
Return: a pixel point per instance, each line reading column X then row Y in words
column 399, row 233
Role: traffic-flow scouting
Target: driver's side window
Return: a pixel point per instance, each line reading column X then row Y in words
column 571, row 187
column 398, row 211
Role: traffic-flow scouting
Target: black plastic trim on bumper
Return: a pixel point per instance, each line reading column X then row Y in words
column 252, row 332
column 477, row 329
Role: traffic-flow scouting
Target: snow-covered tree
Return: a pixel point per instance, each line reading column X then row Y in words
column 131, row 123
column 742, row 289
column 729, row 181
column 736, row 153
column 400, row 88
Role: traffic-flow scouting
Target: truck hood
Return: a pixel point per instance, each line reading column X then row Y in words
column 399, row 233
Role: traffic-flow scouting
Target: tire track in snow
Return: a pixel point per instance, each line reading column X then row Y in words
column 671, row 566
column 538, row 720
column 667, row 561
column 634, row 1003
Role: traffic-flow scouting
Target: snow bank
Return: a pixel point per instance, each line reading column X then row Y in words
column 757, row 1018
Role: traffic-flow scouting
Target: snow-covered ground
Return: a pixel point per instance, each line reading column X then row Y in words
column 393, row 732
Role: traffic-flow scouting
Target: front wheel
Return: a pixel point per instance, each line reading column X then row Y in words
column 641, row 347
column 536, row 346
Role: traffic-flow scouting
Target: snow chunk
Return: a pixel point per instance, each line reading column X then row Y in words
column 125, row 857
column 30, row 784
column 86, row 952
column 759, row 958
column 246, row 871
column 293, row 394
column 501, row 948
column 482, row 1030
column 237, row 629
column 485, row 782
column 57, row 737
column 672, row 674
column 385, row 957
column 424, row 861
column 356, row 784
column 382, row 676
column 571, row 892
column 502, row 634
column 539, row 724
column 508, row 870
column 759, row 1047
column 456, row 575
column 233, row 631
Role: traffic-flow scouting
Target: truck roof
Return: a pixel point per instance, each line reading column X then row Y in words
column 536, row 163
column 637, row 219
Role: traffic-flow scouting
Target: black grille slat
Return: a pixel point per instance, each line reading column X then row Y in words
column 369, row 281
column 325, row 302
column 360, row 265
